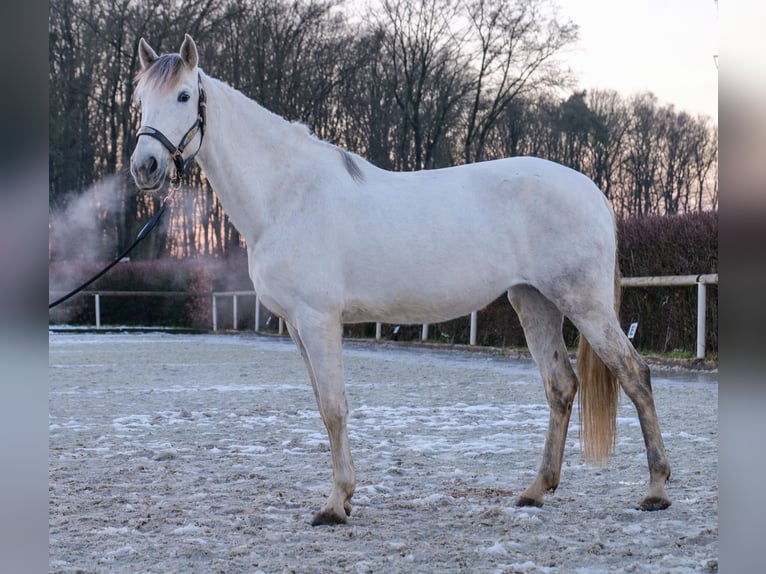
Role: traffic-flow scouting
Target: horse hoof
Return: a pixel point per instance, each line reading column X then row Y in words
column 526, row 501
column 654, row 503
column 327, row 518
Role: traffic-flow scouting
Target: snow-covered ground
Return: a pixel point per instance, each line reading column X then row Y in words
column 205, row 453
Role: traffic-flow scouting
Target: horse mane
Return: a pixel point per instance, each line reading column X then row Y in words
column 164, row 71
column 350, row 163
column 352, row 167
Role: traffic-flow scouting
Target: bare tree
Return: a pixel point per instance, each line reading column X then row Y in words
column 640, row 165
column 607, row 146
column 675, row 151
column 425, row 74
column 369, row 116
column 705, row 165
column 515, row 43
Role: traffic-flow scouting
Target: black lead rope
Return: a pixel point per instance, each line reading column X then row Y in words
column 181, row 165
column 141, row 234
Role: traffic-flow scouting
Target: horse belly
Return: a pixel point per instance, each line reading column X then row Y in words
column 414, row 308
column 424, row 291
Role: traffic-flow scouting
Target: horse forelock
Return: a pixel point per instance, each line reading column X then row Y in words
column 164, row 73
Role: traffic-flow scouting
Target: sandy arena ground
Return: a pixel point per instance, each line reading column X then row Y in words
column 205, row 453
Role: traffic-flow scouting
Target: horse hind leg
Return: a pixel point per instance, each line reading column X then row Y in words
column 542, row 323
column 611, row 345
column 320, row 346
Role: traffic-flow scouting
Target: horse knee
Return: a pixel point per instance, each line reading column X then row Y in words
column 334, row 411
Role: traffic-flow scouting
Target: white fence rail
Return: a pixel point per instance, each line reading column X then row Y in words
column 235, row 295
column 701, row 281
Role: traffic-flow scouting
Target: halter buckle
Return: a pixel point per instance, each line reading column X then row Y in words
column 174, row 185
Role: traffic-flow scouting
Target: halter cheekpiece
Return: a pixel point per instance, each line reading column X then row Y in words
column 176, row 152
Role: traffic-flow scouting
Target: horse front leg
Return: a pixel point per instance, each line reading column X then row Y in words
column 319, row 341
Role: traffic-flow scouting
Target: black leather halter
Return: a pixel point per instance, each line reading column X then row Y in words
column 176, row 152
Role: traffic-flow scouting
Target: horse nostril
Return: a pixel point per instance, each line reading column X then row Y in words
column 151, row 166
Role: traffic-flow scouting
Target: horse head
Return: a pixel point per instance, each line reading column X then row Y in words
column 170, row 93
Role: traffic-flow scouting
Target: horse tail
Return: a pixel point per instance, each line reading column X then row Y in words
column 599, row 392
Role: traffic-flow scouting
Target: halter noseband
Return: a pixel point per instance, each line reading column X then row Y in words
column 176, row 152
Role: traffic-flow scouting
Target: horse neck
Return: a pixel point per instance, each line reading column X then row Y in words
column 251, row 157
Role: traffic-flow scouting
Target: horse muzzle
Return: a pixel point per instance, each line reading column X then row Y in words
column 149, row 172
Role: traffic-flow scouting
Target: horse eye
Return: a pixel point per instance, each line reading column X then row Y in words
column 184, row 97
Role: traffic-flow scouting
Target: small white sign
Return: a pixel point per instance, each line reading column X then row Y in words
column 632, row 330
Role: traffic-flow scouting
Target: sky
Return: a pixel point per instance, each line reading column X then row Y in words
column 666, row 47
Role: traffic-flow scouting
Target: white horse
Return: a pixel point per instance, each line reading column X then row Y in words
column 333, row 239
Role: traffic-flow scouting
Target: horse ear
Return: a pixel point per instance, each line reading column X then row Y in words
column 146, row 54
column 189, row 52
